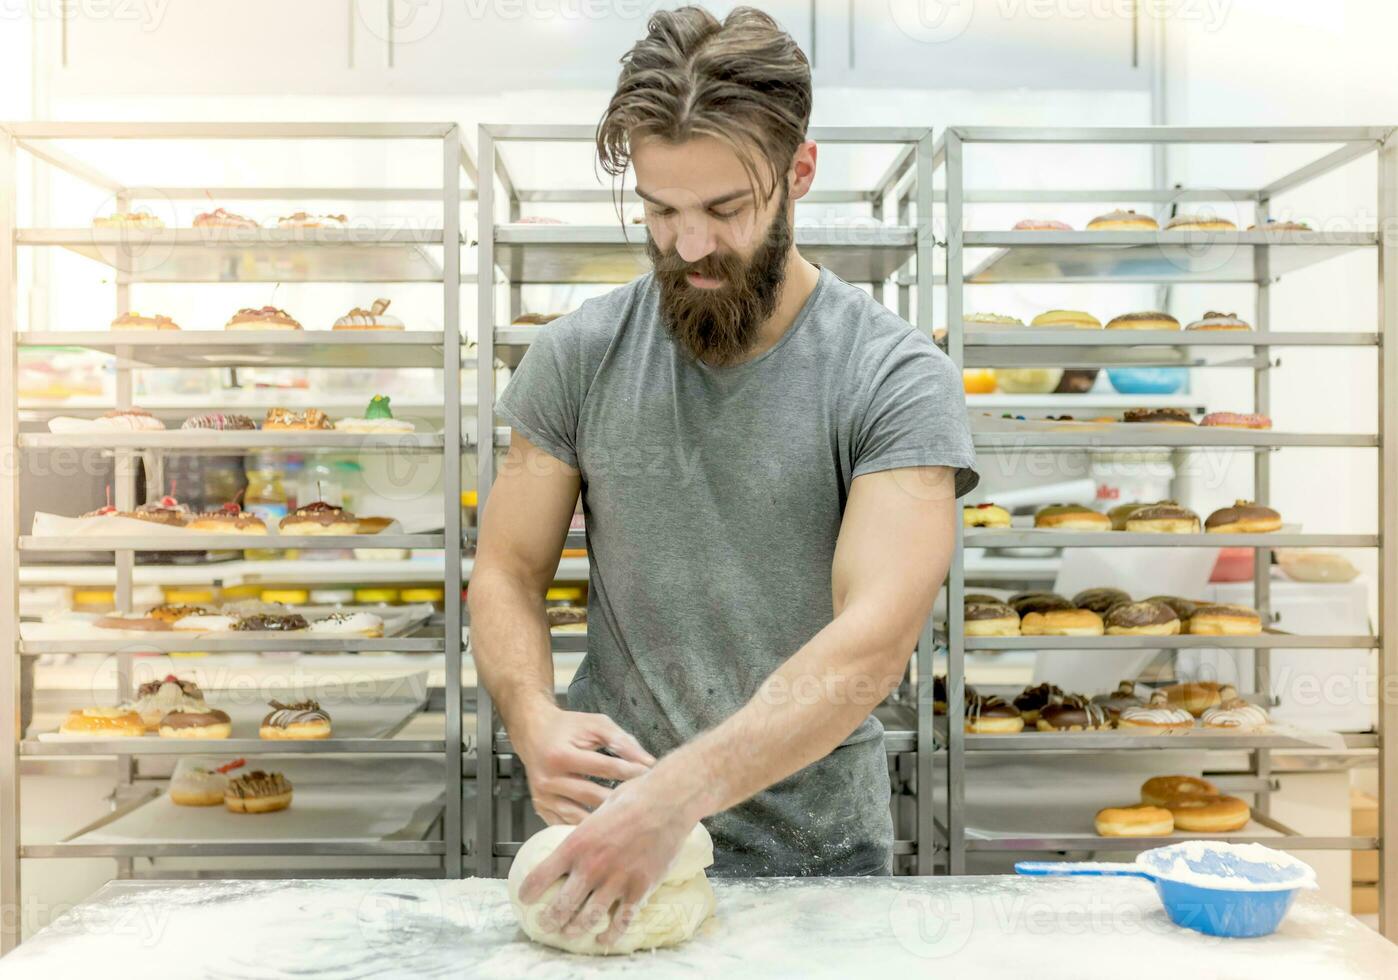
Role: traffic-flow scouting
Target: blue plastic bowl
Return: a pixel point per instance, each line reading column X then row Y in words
column 1223, row 911
column 1214, row 910
column 1148, row 381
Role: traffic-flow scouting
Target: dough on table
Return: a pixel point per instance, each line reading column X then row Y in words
column 672, row 914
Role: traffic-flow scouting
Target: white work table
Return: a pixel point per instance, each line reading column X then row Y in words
column 948, row 927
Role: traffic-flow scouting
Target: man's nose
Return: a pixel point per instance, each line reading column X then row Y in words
column 695, row 239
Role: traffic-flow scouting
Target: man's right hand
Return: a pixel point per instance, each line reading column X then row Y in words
column 559, row 750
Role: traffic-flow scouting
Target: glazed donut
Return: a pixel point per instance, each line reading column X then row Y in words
column 1039, row 602
column 985, row 515
column 1127, row 220
column 1219, row 321
column 1072, row 714
column 1066, row 320
column 1041, row 224
column 1134, row 821
column 992, row 716
column 1244, row 517
column 976, row 321
column 300, row 720
column 1166, row 517
column 1161, row 790
column 1061, row 622
column 1221, row 619
column 1184, row 608
column 1210, row 814
column 1072, row 517
column 103, row 722
column 1236, row 420
column 1156, row 718
column 1196, row 697
column 1141, row 619
column 1032, row 700
column 1235, row 714
column 1121, row 512
column 1100, row 600
column 1160, row 416
column 1199, row 222
column 1145, row 320
column 1119, row 700
column 212, row 723
column 990, row 619
column 258, row 792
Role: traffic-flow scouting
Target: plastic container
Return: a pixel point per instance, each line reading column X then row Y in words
column 191, row 597
column 429, row 593
column 376, row 596
column 332, row 597
column 287, row 597
column 1148, row 381
column 1029, row 381
column 1131, row 474
column 94, row 600
column 266, row 497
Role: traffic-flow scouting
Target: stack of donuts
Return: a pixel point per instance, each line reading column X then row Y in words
column 1170, row 803
column 1103, row 610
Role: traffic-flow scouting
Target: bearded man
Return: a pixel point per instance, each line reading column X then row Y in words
column 769, row 462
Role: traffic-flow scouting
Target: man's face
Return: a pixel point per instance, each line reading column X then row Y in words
column 719, row 251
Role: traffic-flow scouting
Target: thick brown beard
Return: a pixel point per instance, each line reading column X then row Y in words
column 718, row 326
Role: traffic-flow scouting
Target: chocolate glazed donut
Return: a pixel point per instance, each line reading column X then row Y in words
column 1149, row 618
column 1073, row 713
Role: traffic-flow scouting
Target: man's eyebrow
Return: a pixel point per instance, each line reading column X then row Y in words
column 710, row 203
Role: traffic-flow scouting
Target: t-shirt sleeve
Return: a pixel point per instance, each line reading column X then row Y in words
column 544, row 394
column 915, row 415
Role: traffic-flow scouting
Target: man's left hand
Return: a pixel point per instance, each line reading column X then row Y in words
column 613, row 861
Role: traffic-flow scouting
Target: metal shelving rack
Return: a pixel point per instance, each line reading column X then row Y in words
column 890, row 255
column 1257, row 257
column 189, row 255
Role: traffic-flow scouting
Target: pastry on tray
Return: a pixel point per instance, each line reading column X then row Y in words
column 1144, row 320
column 271, row 623
column 258, row 792
column 1165, row 517
column 1035, row 601
column 117, row 420
column 195, row 723
column 1071, row 517
column 985, row 515
column 1073, row 713
column 1100, row 600
column 135, row 321
column 1224, row 619
column 992, row 716
column 1156, row 717
column 262, row 318
column 1119, row 700
column 1159, row 416
column 1196, row 697
column 1138, row 820
column 1199, row 222
column 1126, row 220
column 142, row 220
column 298, row 720
column 1244, row 517
column 1234, row 714
column 374, row 318
column 1041, row 224
column 209, row 623
column 1143, row 618
column 198, row 786
column 1210, row 814
column 229, row 520
column 303, row 220
column 1236, row 420
column 319, row 518
column 103, row 723
column 290, row 418
column 1066, row 320
column 1163, row 790
column 1272, row 224
column 1061, row 622
column 220, row 422
column 167, row 510
column 1030, row 701
column 348, row 624
column 219, row 218
column 378, row 418
column 1219, row 321
column 989, row 321
column 989, row 619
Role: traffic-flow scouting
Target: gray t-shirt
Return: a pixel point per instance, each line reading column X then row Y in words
column 713, row 499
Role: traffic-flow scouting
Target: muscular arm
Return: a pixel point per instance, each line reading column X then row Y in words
column 892, row 555
column 522, row 534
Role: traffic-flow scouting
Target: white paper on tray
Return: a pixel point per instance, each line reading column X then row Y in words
column 56, row 525
column 333, row 799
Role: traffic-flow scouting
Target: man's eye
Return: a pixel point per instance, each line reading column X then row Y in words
column 727, row 215
column 661, row 212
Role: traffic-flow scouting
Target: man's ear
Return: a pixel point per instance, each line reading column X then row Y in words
column 803, row 169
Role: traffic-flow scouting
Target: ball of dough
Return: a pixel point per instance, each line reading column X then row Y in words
column 672, row 913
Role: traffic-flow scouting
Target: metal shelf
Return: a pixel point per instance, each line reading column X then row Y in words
column 1094, row 842
column 155, row 745
column 1195, row 740
column 236, row 442
column 1092, row 435
column 175, row 641
column 254, row 348
column 292, row 849
column 1261, row 641
column 1027, row 538
column 1151, row 256
column 538, row 253
column 1031, row 347
column 358, row 255
column 227, row 542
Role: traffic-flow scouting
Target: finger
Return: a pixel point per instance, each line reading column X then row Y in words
column 558, row 809
column 594, row 912
column 550, row 869
column 622, row 918
column 614, row 737
column 584, row 792
column 570, row 898
column 583, row 763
